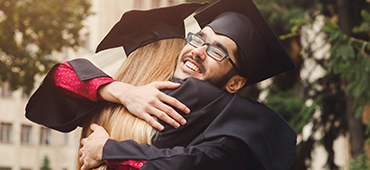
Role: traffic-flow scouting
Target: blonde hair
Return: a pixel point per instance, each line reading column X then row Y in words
column 153, row 62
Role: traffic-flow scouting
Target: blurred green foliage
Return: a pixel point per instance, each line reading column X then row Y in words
column 280, row 13
column 349, row 57
column 347, row 77
column 360, row 163
column 288, row 102
column 30, row 30
column 45, row 164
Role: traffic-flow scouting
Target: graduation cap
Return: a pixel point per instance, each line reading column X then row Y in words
column 263, row 55
column 138, row 28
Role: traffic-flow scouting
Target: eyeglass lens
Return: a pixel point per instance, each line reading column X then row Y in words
column 212, row 50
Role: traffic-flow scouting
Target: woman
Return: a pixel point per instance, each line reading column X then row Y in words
column 152, row 62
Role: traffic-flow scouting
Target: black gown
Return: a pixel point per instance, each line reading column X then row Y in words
column 224, row 131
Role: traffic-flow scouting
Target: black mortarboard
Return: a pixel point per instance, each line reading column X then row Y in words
column 263, row 55
column 138, row 28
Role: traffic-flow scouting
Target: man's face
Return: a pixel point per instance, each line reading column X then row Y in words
column 194, row 62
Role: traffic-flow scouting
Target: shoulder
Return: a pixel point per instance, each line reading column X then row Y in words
column 242, row 114
column 196, row 93
column 250, row 105
column 271, row 139
column 86, row 70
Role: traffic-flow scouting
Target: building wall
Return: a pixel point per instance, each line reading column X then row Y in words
column 15, row 155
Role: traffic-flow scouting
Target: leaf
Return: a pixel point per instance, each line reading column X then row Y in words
column 349, row 52
column 333, row 36
column 359, row 111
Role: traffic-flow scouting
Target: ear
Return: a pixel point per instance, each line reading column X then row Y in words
column 235, row 83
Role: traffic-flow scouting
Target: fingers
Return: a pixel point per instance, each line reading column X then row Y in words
column 80, row 152
column 168, row 114
column 145, row 101
column 168, row 99
column 92, row 147
column 81, row 159
column 170, row 111
column 94, row 126
column 152, row 122
column 162, row 110
column 165, row 85
column 83, row 141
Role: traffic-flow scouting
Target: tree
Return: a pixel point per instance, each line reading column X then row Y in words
column 45, row 164
column 344, row 90
column 30, row 30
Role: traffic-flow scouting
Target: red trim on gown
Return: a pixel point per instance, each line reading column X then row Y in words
column 67, row 81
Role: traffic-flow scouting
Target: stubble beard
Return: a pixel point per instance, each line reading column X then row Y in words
column 218, row 81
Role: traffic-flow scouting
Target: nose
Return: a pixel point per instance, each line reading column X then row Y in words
column 200, row 52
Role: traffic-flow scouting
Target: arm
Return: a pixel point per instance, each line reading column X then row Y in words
column 217, row 153
column 66, row 81
column 100, row 136
column 142, row 101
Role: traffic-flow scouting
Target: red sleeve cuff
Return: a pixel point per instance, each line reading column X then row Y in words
column 96, row 83
column 67, row 81
column 125, row 164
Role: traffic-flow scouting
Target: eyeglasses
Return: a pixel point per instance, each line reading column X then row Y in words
column 213, row 51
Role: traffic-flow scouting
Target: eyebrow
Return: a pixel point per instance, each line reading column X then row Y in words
column 216, row 43
column 201, row 34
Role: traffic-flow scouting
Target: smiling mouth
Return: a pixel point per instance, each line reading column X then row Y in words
column 192, row 66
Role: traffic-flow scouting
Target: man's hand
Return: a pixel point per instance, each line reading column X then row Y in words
column 92, row 148
column 147, row 100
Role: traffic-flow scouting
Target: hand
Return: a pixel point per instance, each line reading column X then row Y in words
column 147, row 100
column 92, row 148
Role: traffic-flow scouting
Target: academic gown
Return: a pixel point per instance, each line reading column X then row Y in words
column 224, row 131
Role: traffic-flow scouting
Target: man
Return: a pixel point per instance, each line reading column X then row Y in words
column 211, row 56
column 234, row 48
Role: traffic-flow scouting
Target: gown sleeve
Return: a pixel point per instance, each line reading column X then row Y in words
column 217, row 153
column 66, row 81
column 64, row 110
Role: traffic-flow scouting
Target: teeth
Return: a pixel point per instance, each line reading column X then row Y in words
column 192, row 66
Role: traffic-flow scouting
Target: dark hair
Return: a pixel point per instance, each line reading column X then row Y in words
column 238, row 60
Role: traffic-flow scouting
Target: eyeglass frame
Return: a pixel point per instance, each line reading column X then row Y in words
column 226, row 55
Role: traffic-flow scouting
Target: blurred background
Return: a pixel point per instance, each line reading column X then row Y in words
column 326, row 98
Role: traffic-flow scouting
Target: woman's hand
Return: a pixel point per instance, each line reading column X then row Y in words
column 92, row 147
column 145, row 101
